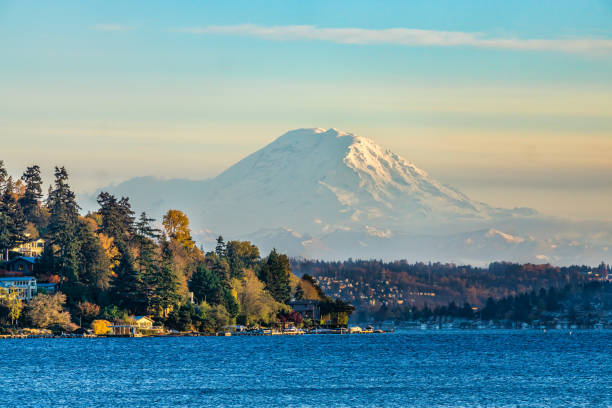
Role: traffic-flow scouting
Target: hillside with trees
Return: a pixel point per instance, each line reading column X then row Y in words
column 112, row 264
column 375, row 287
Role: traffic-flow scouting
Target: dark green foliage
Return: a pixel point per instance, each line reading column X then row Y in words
column 220, row 249
column 63, row 223
column 275, row 273
column 299, row 293
column 12, row 221
column 117, row 217
column 181, row 319
column 230, row 303
column 93, row 262
column 30, row 202
column 205, row 285
column 145, row 229
column 241, row 255
column 128, row 288
column 3, row 174
column 45, row 265
column 338, row 309
column 111, row 313
column 165, row 286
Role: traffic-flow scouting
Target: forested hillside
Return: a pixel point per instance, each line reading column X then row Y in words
column 111, row 264
column 372, row 284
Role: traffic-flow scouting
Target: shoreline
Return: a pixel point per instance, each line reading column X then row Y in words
column 345, row 333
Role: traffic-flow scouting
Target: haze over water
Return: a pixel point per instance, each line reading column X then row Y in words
column 413, row 368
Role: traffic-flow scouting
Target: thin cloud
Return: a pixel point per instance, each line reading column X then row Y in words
column 111, row 27
column 407, row 37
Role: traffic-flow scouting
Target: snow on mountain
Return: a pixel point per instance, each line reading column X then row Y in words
column 330, row 194
column 318, row 181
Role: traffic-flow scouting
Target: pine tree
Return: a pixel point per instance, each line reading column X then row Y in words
column 62, row 229
column 220, row 249
column 128, row 286
column 165, row 287
column 117, row 217
column 3, row 174
column 30, row 202
column 275, row 274
column 12, row 221
column 147, row 260
column 205, row 285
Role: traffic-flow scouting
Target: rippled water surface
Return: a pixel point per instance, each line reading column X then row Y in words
column 442, row 368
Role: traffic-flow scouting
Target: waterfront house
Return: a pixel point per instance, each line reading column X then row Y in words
column 138, row 326
column 309, row 309
column 24, row 285
column 129, row 330
column 143, row 322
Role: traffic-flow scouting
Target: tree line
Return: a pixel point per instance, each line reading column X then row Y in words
column 111, row 264
column 449, row 282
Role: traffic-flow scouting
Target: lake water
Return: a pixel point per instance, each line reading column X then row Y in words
column 414, row 368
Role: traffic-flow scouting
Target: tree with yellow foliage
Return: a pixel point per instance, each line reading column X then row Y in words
column 176, row 225
column 100, row 327
column 256, row 303
column 10, row 298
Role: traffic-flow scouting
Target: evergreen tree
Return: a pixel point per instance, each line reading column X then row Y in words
column 30, row 202
column 220, row 249
column 12, row 221
column 3, row 175
column 230, row 302
column 205, row 285
column 94, row 265
column 147, row 260
column 299, row 292
column 128, row 286
column 275, row 274
column 145, row 229
column 117, row 217
column 62, row 229
column 45, row 265
column 165, row 287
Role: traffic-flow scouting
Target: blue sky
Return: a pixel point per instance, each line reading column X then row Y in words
column 508, row 101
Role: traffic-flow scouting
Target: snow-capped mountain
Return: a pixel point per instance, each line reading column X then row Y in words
column 331, row 194
column 318, row 181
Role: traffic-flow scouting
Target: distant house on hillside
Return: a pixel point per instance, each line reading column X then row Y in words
column 25, row 285
column 48, row 288
column 32, row 248
column 22, row 264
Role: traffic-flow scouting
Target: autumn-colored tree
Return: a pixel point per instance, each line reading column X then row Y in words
column 10, row 299
column 47, row 310
column 256, row 303
column 100, row 326
column 87, row 310
column 176, row 226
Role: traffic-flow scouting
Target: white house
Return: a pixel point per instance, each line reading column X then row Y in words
column 143, row 322
column 25, row 285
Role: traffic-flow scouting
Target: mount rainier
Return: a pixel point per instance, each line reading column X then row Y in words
column 330, row 194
